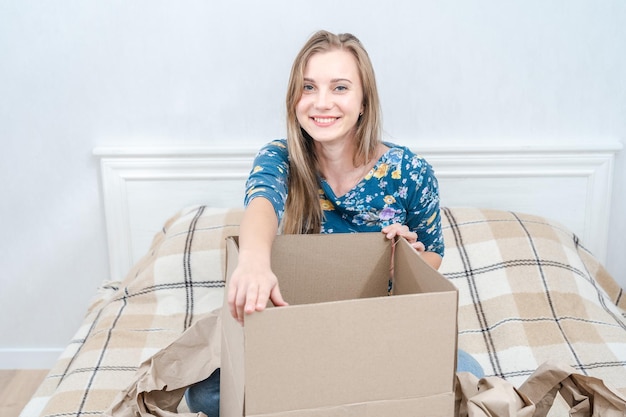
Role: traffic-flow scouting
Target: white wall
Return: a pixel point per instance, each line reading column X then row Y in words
column 79, row 74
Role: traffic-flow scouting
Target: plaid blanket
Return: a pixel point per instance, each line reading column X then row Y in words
column 180, row 279
column 528, row 292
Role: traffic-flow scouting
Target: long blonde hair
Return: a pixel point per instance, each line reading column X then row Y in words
column 303, row 213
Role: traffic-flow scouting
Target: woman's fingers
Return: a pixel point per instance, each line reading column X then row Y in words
column 252, row 298
column 248, row 295
column 277, row 297
column 398, row 229
column 419, row 246
column 236, row 301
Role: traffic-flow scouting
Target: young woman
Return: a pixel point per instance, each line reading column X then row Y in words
column 333, row 174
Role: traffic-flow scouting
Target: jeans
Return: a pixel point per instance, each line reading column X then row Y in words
column 205, row 395
column 466, row 363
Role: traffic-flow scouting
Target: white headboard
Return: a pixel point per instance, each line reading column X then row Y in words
column 144, row 187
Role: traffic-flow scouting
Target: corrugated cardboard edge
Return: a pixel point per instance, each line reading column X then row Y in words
column 432, row 406
column 232, row 366
column 446, row 285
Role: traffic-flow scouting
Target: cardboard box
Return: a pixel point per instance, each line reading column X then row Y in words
column 343, row 347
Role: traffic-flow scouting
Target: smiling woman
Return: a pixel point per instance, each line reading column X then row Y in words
column 332, row 174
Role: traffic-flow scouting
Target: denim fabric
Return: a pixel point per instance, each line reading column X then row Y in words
column 466, row 363
column 205, row 395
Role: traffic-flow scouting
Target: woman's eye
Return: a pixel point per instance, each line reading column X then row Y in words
column 341, row 88
column 308, row 87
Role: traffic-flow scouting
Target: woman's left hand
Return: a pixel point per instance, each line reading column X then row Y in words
column 401, row 230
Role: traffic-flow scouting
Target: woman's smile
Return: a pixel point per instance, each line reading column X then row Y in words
column 324, row 121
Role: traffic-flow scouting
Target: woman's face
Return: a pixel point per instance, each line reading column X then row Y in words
column 332, row 96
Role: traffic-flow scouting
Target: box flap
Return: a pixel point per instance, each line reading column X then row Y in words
column 232, row 377
column 413, row 275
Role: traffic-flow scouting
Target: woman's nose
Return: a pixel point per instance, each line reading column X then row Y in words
column 323, row 100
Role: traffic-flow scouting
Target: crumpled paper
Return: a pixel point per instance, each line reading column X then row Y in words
column 494, row 397
column 161, row 381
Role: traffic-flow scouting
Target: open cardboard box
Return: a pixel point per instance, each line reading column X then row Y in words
column 343, row 347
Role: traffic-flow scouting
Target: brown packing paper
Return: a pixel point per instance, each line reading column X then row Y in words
column 585, row 395
column 490, row 397
column 161, row 381
column 494, row 397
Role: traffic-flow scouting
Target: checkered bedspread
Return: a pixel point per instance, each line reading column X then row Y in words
column 528, row 292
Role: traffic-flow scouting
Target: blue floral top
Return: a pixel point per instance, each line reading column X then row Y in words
column 400, row 188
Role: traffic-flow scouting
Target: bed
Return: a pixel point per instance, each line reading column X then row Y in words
column 530, row 288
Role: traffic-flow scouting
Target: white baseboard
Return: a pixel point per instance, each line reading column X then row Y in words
column 24, row 358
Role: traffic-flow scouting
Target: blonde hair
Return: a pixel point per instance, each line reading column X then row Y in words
column 303, row 213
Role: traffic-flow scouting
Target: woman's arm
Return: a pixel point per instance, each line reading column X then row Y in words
column 432, row 258
column 253, row 283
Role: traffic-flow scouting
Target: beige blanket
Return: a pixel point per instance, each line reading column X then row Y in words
column 529, row 293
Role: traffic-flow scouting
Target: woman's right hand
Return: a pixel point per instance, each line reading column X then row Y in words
column 253, row 283
column 250, row 288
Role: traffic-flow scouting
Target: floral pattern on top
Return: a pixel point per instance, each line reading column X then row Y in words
column 400, row 188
